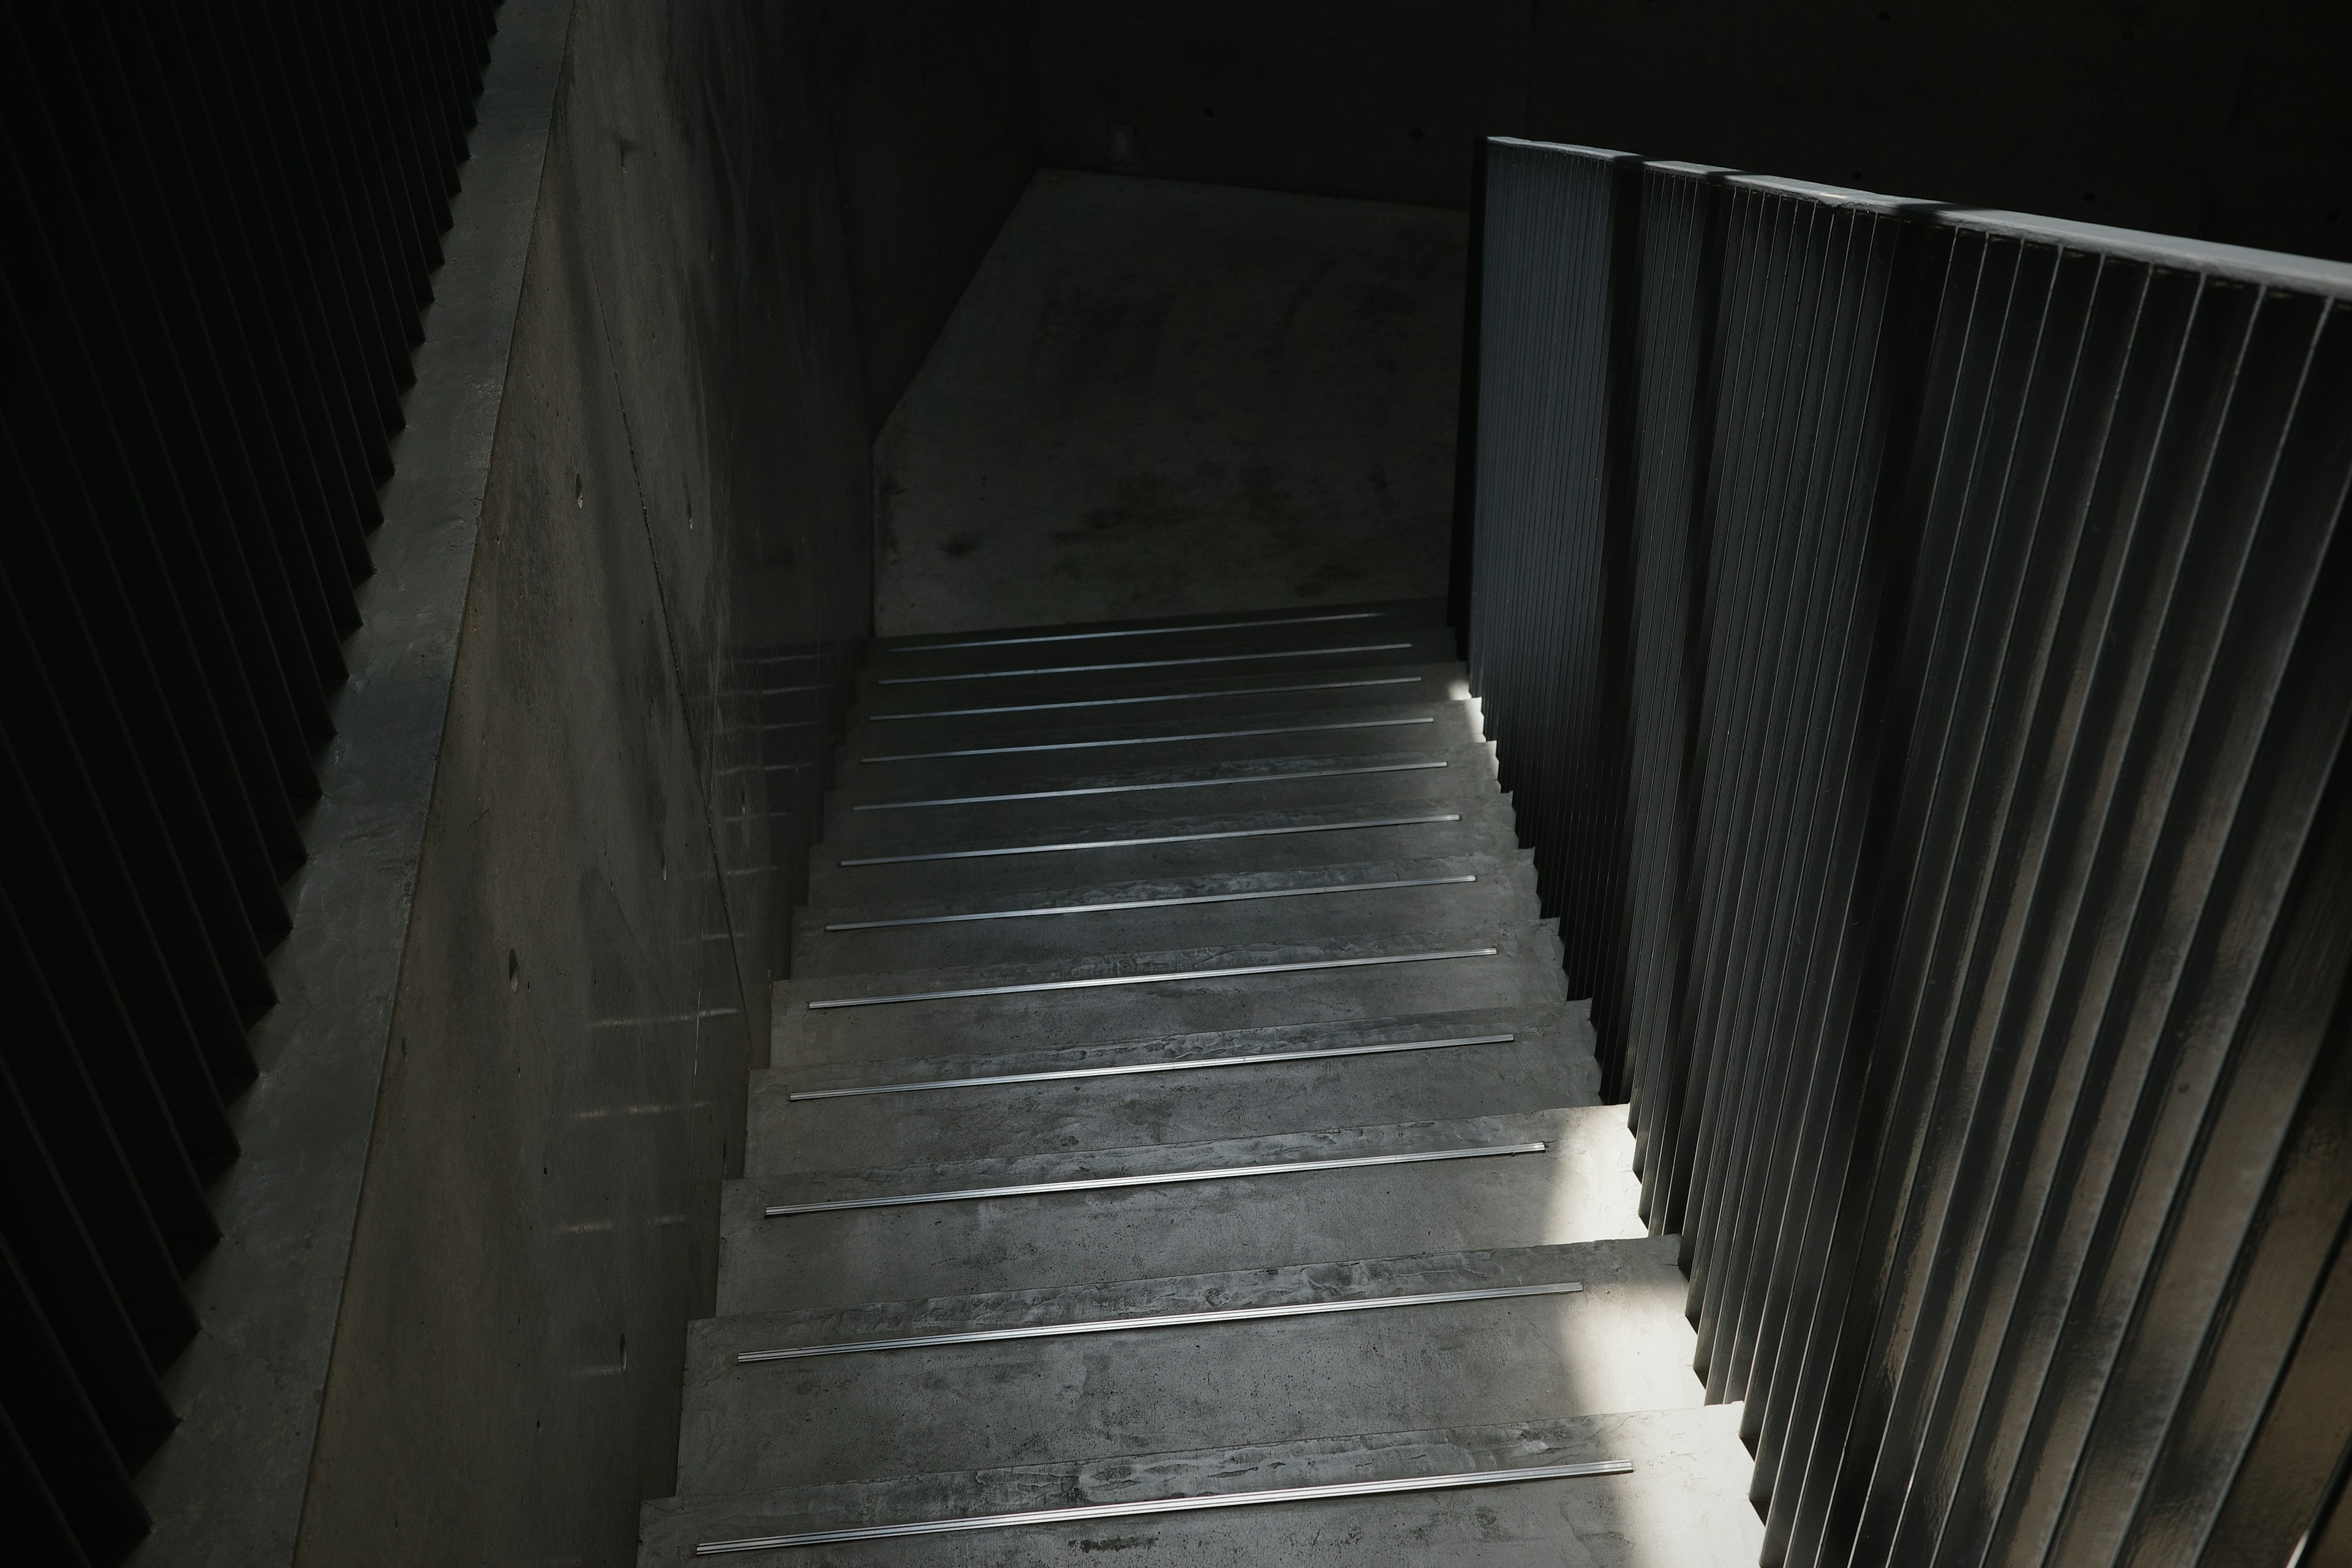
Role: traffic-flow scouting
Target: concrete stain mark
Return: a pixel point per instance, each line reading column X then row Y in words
column 1297, row 301
column 957, row 546
column 1146, row 502
column 1116, row 1543
column 1329, row 576
column 1093, row 340
column 1270, row 503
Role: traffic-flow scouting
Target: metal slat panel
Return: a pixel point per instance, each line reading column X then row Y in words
column 1976, row 946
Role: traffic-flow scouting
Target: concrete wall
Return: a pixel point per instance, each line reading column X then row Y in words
column 2218, row 119
column 671, row 562
column 935, row 134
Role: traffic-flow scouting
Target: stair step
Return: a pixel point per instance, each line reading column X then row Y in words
column 1621, row 1342
column 1416, row 783
column 1157, row 848
column 1528, row 1058
column 1271, row 628
column 934, row 1012
column 1233, row 910
column 1581, row 1187
column 1036, row 671
column 1016, row 755
column 1682, row 1503
column 1228, row 908
column 1112, row 786
column 956, row 718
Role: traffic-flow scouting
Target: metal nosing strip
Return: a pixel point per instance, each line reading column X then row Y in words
column 1167, row 838
column 1160, row 1320
column 1140, row 663
column 1162, row 696
column 1151, row 1179
column 1151, row 903
column 1145, row 631
column 1146, row 740
column 1170, row 1505
column 1099, row 982
column 1139, row 788
column 1130, row 1068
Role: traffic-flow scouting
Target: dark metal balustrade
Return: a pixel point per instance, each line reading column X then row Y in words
column 223, row 224
column 1917, row 641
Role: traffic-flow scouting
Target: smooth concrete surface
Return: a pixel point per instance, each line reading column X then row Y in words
column 1374, row 976
column 1245, row 1172
column 1620, row 1343
column 1168, row 848
column 2206, row 117
column 672, row 552
column 1363, row 896
column 226, row 1490
column 1546, row 1062
column 1157, row 398
column 1682, row 1506
column 1582, row 1188
column 1016, row 755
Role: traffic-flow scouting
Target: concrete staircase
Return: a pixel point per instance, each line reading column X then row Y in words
column 1102, row 909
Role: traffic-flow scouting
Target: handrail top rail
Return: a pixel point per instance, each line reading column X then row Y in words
column 2237, row 263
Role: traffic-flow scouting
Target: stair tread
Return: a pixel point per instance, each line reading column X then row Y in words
column 1144, row 849
column 1581, row 1187
column 1683, row 1503
column 1430, row 782
column 1037, row 667
column 1621, row 1342
column 1161, row 630
column 843, row 1017
column 1061, row 893
column 1536, row 1058
column 886, row 761
column 866, row 803
column 1509, row 936
column 933, row 714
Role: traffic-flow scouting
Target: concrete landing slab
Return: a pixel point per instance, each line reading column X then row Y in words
column 1160, row 398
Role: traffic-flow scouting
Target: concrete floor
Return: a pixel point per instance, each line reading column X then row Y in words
column 1159, row 399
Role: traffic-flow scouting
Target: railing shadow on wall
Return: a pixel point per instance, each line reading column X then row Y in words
column 1915, row 641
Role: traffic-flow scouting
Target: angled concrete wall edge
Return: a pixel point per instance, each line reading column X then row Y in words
column 228, row 1487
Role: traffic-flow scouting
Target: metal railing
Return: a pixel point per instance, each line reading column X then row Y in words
column 223, row 223
column 1917, row 641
